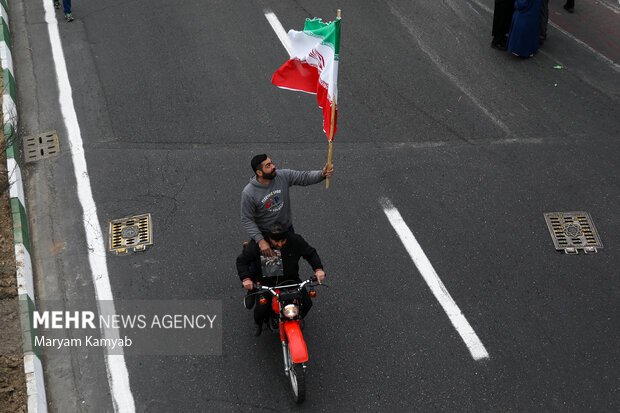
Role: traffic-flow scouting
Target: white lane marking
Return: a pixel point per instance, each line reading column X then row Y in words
column 280, row 32
column 598, row 55
column 118, row 377
column 609, row 6
column 438, row 61
column 475, row 346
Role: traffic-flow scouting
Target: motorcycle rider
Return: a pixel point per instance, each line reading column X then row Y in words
column 282, row 267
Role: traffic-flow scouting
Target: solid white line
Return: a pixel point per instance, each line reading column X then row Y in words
column 118, row 377
column 597, row 54
column 609, row 6
column 416, row 33
column 475, row 346
column 280, row 32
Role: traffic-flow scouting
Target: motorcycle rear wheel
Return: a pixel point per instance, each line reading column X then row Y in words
column 297, row 378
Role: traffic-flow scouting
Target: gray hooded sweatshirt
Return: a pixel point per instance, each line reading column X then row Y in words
column 263, row 206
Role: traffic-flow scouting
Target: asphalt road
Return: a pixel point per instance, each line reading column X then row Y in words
column 470, row 144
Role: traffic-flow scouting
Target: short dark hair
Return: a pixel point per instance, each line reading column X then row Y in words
column 257, row 161
column 278, row 231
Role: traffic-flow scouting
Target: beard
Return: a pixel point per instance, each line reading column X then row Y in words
column 270, row 176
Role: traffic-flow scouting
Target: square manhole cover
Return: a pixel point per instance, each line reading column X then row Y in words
column 572, row 231
column 130, row 234
column 41, row 146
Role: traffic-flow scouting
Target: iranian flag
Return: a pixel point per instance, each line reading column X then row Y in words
column 313, row 67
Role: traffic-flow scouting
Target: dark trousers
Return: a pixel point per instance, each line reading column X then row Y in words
column 261, row 312
column 502, row 17
column 66, row 5
column 544, row 19
column 570, row 4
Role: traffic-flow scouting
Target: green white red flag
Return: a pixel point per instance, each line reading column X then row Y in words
column 313, row 66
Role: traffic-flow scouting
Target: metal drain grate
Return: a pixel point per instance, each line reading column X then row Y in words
column 41, row 146
column 572, row 231
column 130, row 234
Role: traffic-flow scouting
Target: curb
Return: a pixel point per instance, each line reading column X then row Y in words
column 35, row 385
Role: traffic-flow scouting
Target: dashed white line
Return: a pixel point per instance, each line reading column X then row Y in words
column 280, row 32
column 467, row 333
column 609, row 6
column 118, row 377
column 437, row 60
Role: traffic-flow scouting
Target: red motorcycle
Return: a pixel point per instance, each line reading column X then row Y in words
column 286, row 318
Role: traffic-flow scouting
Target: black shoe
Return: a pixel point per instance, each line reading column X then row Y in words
column 273, row 323
column 569, row 9
column 500, row 44
column 259, row 329
column 56, row 5
column 69, row 17
column 249, row 300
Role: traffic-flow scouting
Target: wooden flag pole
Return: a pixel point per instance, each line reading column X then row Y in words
column 331, row 142
column 331, row 128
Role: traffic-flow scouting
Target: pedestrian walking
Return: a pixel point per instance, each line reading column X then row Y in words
column 569, row 6
column 524, row 39
column 66, row 5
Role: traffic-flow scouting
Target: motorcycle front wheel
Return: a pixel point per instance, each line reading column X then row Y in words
column 297, row 378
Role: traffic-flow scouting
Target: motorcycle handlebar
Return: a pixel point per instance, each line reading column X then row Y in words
column 259, row 287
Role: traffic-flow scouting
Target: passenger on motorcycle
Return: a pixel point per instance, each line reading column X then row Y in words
column 277, row 270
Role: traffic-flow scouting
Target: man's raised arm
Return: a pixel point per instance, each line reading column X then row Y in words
column 304, row 178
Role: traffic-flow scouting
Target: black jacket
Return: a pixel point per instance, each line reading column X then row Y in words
column 295, row 248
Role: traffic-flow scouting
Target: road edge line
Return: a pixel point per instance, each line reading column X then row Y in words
column 598, row 55
column 116, row 367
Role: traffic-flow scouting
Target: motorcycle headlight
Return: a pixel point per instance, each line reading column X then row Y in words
column 290, row 311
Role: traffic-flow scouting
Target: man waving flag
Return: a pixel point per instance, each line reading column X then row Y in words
column 313, row 67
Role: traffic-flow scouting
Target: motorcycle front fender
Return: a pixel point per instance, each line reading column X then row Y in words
column 296, row 343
